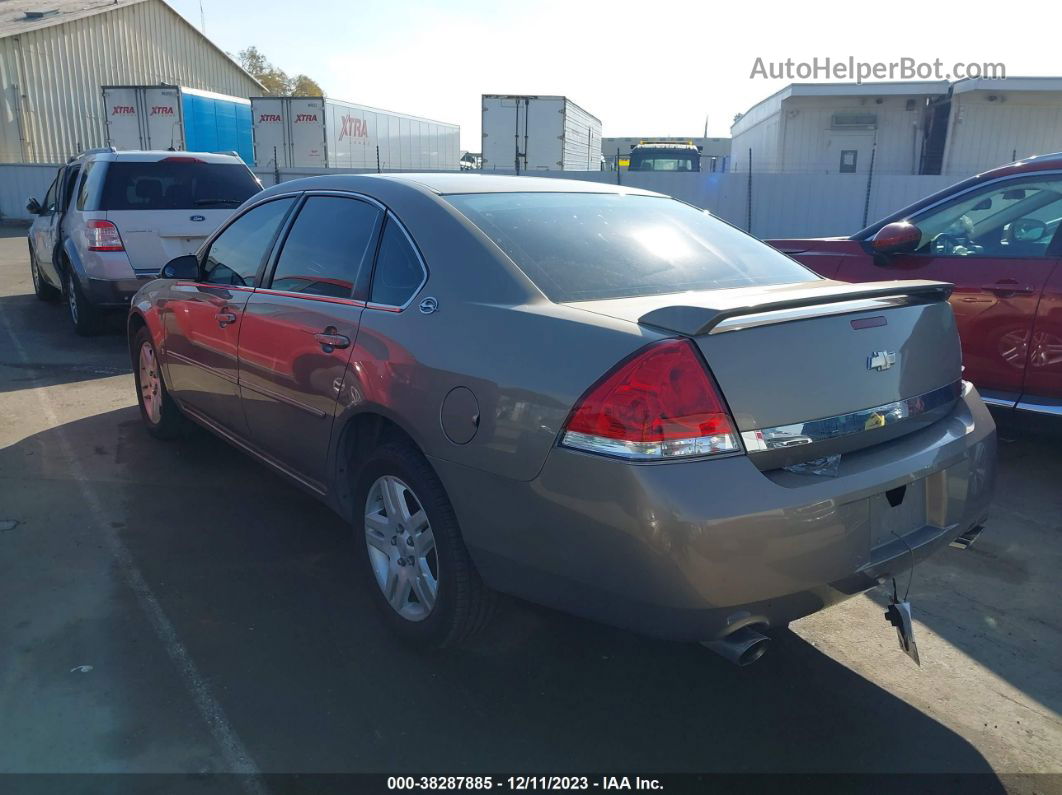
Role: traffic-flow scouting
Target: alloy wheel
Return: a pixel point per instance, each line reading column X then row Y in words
column 71, row 297
column 401, row 548
column 150, row 384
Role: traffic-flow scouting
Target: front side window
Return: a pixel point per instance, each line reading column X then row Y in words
column 237, row 253
column 398, row 274
column 326, row 247
column 1018, row 218
column 176, row 184
column 591, row 246
column 49, row 199
column 72, row 173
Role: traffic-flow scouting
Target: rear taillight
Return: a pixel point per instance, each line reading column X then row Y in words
column 660, row 404
column 103, row 236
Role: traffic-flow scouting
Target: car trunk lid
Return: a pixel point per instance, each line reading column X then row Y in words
column 154, row 237
column 817, row 368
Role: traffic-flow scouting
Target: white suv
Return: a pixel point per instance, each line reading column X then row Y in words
column 112, row 219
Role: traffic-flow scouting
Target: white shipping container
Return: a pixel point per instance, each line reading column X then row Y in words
column 176, row 117
column 539, row 133
column 294, row 132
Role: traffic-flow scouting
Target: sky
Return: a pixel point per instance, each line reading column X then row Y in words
column 643, row 68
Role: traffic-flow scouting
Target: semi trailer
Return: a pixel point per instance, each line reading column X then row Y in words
column 320, row 132
column 176, row 117
column 539, row 133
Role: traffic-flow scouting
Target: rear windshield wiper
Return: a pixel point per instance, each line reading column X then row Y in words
column 200, row 202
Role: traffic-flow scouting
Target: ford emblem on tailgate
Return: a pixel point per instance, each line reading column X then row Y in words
column 198, row 218
column 881, row 360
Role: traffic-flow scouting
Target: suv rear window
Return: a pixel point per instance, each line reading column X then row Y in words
column 591, row 246
column 176, row 185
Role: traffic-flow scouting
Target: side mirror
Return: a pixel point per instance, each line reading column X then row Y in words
column 186, row 267
column 898, row 237
column 1027, row 230
column 33, row 207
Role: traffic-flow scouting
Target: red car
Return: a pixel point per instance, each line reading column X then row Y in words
column 996, row 237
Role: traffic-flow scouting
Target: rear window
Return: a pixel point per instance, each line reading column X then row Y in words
column 176, row 185
column 664, row 161
column 591, row 246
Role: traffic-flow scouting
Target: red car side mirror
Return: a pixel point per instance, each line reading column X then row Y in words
column 896, row 238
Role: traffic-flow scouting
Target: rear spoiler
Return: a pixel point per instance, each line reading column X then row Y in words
column 832, row 298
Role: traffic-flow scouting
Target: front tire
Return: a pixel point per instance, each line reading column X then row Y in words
column 418, row 569
column 41, row 288
column 158, row 410
column 83, row 315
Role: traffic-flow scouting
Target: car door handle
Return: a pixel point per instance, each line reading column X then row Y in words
column 225, row 317
column 329, row 340
column 1008, row 287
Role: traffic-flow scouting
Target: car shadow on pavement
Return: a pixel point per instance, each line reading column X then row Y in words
column 44, row 328
column 257, row 579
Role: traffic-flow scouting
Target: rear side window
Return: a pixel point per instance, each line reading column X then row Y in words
column 398, row 274
column 237, row 253
column 176, row 185
column 326, row 247
column 591, row 246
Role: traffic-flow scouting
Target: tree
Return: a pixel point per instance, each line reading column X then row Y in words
column 304, row 86
column 276, row 81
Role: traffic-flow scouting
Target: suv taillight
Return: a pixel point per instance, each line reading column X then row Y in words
column 103, row 236
column 660, row 404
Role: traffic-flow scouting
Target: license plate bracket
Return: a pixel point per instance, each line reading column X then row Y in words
column 896, row 513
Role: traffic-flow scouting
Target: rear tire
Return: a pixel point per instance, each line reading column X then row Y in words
column 41, row 288
column 158, row 410
column 460, row 604
column 83, row 315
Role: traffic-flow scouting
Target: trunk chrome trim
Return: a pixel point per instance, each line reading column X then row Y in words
column 802, row 433
column 740, row 322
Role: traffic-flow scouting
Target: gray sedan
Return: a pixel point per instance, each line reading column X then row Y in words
column 597, row 398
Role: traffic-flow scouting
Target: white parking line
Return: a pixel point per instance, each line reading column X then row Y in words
column 236, row 757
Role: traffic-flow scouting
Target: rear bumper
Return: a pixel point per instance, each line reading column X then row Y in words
column 112, row 293
column 693, row 550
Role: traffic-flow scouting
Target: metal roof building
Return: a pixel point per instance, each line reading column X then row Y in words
column 56, row 54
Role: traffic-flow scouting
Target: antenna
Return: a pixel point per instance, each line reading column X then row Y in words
column 705, row 125
column 202, row 18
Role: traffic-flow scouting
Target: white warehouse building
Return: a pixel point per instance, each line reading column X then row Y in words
column 56, row 54
column 991, row 122
column 954, row 129
column 830, row 128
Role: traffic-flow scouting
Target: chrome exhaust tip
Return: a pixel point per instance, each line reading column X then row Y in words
column 741, row 647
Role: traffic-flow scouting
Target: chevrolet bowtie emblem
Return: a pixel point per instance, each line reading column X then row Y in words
column 881, row 360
